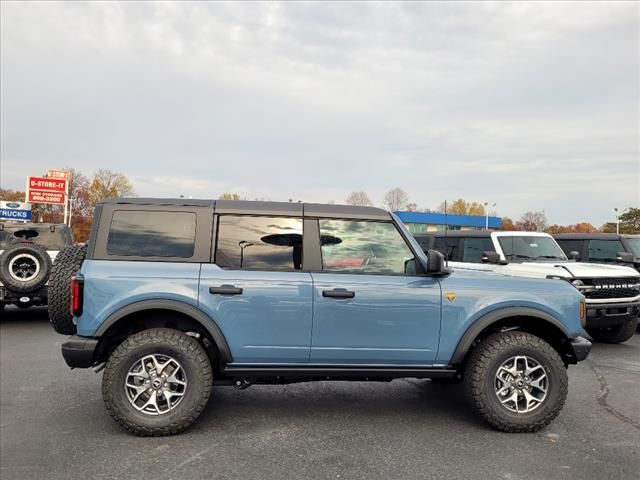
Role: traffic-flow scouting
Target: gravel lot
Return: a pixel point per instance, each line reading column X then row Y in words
column 54, row 426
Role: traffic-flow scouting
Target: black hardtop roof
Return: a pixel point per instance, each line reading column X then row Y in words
column 456, row 233
column 593, row 236
column 262, row 208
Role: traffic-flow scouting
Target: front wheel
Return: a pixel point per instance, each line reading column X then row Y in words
column 517, row 381
column 618, row 334
column 157, row 382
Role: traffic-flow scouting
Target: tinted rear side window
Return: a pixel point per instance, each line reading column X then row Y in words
column 604, row 249
column 569, row 246
column 473, row 248
column 449, row 247
column 259, row 243
column 140, row 233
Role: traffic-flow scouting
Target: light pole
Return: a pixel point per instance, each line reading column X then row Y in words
column 618, row 213
column 486, row 213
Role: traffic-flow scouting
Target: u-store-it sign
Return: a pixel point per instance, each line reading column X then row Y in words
column 46, row 190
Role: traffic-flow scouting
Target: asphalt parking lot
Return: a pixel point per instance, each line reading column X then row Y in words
column 53, row 425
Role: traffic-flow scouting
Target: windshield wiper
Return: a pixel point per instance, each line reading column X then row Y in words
column 550, row 256
column 519, row 255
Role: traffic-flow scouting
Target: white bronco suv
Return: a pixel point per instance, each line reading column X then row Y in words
column 27, row 252
column 612, row 292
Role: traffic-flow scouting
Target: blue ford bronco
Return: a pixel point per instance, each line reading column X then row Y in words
column 171, row 297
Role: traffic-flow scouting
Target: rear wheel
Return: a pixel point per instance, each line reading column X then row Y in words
column 516, row 381
column 617, row 334
column 157, row 382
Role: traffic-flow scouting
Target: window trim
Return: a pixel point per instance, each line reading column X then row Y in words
column 216, row 223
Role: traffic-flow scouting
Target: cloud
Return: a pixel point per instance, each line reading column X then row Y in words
column 534, row 106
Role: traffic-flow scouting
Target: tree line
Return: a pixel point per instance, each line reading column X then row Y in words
column 85, row 191
column 534, row 221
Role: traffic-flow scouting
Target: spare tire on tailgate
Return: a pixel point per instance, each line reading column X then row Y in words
column 67, row 264
column 24, row 267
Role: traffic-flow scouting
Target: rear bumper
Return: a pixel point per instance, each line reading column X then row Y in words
column 581, row 348
column 37, row 297
column 610, row 314
column 79, row 352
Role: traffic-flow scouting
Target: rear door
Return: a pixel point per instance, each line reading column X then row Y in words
column 368, row 306
column 256, row 289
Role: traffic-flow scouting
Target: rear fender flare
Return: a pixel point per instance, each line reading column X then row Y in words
column 172, row 305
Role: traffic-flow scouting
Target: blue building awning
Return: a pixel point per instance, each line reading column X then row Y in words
column 442, row 219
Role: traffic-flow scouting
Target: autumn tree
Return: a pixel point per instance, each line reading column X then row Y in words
column 507, row 224
column 108, row 184
column 461, row 207
column 395, row 199
column 582, row 227
column 229, row 196
column 359, row 199
column 629, row 222
column 532, row 222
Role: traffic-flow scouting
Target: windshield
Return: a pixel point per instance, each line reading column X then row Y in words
column 56, row 240
column 525, row 248
column 634, row 243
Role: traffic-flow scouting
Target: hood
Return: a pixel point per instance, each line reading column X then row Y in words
column 570, row 269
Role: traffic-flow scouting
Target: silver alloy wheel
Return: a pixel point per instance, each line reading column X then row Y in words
column 155, row 384
column 521, row 384
column 24, row 267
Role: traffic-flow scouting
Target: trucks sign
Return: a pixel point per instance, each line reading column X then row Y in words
column 15, row 211
column 46, row 190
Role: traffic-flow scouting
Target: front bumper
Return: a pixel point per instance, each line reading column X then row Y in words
column 79, row 352
column 600, row 315
column 581, row 348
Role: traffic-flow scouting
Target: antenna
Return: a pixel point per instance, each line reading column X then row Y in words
column 446, row 234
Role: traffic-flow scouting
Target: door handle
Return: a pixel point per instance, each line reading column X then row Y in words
column 225, row 290
column 338, row 293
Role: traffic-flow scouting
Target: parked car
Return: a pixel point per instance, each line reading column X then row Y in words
column 601, row 248
column 612, row 291
column 27, row 251
column 174, row 296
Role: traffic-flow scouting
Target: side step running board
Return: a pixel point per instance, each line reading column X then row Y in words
column 338, row 372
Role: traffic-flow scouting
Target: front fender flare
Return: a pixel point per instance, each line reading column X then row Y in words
column 173, row 305
column 492, row 317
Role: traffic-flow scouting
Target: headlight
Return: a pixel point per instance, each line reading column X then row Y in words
column 577, row 283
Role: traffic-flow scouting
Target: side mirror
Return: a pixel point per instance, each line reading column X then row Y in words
column 410, row 267
column 573, row 255
column 490, row 257
column 624, row 257
column 435, row 263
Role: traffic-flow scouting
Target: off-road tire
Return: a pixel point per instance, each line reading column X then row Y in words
column 68, row 263
column 34, row 251
column 480, row 373
column 187, row 351
column 618, row 334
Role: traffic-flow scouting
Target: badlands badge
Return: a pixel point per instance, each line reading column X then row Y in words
column 451, row 296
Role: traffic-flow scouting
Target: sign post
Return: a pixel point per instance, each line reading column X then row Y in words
column 66, row 175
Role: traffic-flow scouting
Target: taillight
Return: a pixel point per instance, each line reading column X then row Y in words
column 77, row 289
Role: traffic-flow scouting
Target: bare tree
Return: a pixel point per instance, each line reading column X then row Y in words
column 532, row 222
column 109, row 184
column 395, row 199
column 360, row 199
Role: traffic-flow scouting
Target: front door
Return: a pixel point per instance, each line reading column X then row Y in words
column 256, row 291
column 368, row 307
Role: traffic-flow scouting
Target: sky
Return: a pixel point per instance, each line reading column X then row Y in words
column 533, row 106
